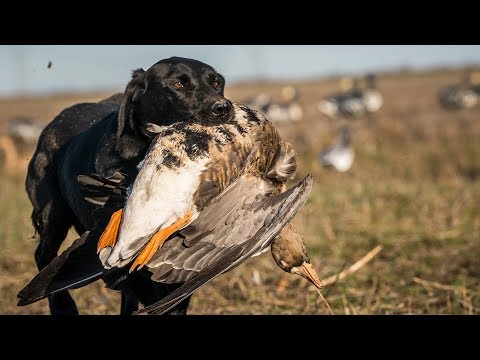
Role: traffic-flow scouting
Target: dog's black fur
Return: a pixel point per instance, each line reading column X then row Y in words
column 111, row 136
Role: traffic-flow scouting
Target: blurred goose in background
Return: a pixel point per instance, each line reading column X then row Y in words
column 259, row 102
column 475, row 80
column 285, row 109
column 206, row 198
column 372, row 97
column 353, row 102
column 463, row 95
column 339, row 155
column 21, row 134
column 24, row 130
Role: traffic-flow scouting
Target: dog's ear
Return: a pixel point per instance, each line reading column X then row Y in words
column 135, row 87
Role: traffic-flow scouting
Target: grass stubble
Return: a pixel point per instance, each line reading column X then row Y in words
column 413, row 193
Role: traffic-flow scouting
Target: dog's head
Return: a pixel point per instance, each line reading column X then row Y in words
column 172, row 90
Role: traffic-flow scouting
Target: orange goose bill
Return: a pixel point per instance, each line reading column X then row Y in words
column 308, row 272
column 290, row 254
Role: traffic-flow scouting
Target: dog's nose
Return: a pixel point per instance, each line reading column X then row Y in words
column 222, row 107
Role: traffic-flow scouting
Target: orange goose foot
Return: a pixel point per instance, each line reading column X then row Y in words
column 157, row 241
column 109, row 235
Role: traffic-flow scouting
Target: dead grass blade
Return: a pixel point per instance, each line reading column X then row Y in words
column 325, row 301
column 355, row 267
column 434, row 284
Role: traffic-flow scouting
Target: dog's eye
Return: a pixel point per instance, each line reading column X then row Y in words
column 178, row 85
column 216, row 84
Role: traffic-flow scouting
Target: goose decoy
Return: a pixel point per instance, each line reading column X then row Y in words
column 21, row 133
column 372, row 98
column 206, row 198
column 463, row 95
column 339, row 155
column 354, row 102
column 285, row 109
column 24, row 130
column 258, row 102
column 475, row 81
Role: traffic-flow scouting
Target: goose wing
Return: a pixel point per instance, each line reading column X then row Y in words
column 74, row 268
column 78, row 265
column 218, row 246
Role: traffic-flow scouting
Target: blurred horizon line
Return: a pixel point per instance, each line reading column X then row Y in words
column 249, row 80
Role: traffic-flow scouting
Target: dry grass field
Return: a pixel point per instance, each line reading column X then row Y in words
column 414, row 189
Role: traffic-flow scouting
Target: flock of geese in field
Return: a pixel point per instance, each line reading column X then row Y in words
column 357, row 97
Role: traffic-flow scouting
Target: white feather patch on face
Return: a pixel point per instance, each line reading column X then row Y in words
column 154, row 128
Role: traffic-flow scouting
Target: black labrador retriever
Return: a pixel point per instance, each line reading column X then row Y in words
column 108, row 137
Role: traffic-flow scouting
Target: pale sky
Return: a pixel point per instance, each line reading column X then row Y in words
column 24, row 69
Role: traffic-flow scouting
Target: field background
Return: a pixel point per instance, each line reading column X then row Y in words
column 413, row 189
